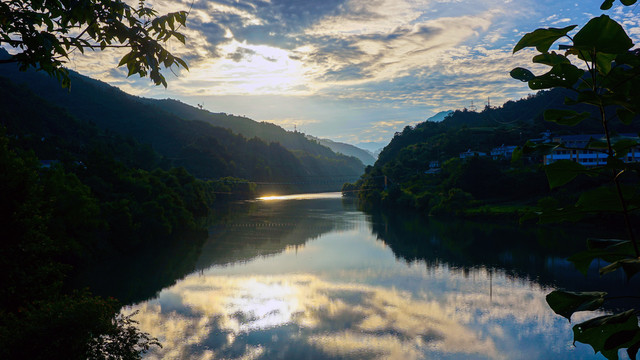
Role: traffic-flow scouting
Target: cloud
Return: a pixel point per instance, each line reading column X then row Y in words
column 240, row 54
column 429, row 55
column 290, row 123
column 333, row 319
column 238, row 316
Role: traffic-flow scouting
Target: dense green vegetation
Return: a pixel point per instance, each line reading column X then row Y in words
column 74, row 195
column 475, row 186
column 610, row 85
column 92, row 175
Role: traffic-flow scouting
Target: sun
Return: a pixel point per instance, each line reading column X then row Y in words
column 251, row 69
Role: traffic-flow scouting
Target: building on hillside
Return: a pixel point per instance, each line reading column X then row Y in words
column 502, row 152
column 544, row 137
column 434, row 167
column 471, row 153
column 574, row 148
column 46, row 164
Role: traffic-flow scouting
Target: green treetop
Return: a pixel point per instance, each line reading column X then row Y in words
column 46, row 32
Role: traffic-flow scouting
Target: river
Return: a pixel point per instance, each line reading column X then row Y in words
column 312, row 277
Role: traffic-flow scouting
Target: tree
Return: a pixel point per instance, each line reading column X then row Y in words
column 46, row 32
column 610, row 81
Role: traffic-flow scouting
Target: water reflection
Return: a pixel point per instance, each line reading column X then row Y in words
column 326, row 287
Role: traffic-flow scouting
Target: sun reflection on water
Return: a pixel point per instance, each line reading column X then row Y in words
column 308, row 196
column 260, row 304
column 251, row 316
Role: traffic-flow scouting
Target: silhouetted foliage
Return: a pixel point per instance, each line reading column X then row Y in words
column 45, row 33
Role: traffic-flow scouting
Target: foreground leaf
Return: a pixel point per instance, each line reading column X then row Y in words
column 542, row 39
column 565, row 117
column 522, row 74
column 629, row 266
column 602, row 35
column 609, row 250
column 563, row 171
column 565, row 303
column 607, row 334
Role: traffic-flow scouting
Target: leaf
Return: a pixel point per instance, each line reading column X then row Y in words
column 622, row 339
column 516, row 155
column 629, row 266
column 522, row 74
column 542, row 39
column 610, row 250
column 623, row 146
column 563, row 171
column 560, row 75
column 182, row 63
column 565, row 117
column 632, row 351
column 125, row 59
column 603, row 61
column 565, row 303
column 600, row 244
column 628, row 58
column 542, row 148
column 626, row 116
column 606, row 5
column 608, row 333
column 601, row 199
column 551, row 59
column 179, row 36
column 597, row 144
column 602, row 35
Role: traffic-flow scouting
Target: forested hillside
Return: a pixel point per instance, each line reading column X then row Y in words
column 206, row 151
column 73, row 194
column 458, row 184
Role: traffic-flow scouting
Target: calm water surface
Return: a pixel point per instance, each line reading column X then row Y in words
column 311, row 277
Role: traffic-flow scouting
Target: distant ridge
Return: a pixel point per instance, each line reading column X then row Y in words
column 347, row 149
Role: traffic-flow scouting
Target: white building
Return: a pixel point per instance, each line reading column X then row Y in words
column 502, row 152
column 469, row 154
column 575, row 149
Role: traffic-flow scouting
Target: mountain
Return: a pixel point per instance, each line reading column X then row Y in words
column 373, row 147
column 511, row 124
column 422, row 166
column 249, row 128
column 290, row 160
column 346, row 149
column 440, row 116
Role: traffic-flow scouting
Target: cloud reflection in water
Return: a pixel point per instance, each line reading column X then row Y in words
column 305, row 316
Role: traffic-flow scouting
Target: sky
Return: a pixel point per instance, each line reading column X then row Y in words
column 354, row 71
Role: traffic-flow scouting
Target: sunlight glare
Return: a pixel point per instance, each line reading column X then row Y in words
column 310, row 196
column 252, row 69
column 261, row 304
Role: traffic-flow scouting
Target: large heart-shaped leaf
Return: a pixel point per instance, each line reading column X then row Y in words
column 565, row 117
column 542, row 39
column 563, row 171
column 565, row 303
column 602, row 35
column 607, row 334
